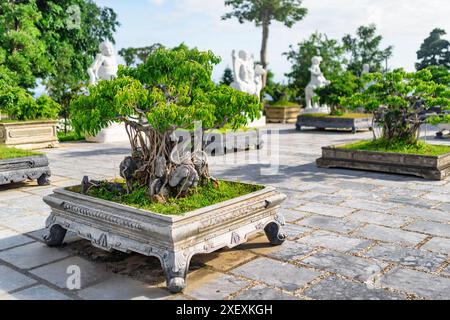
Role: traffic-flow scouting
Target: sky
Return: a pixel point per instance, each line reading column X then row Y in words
column 402, row 23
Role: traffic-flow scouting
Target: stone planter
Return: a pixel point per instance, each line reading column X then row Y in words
column 172, row 239
column 282, row 114
column 25, row 168
column 354, row 124
column 428, row 167
column 29, row 134
column 217, row 143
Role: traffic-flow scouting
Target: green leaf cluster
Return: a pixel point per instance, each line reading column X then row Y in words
column 172, row 89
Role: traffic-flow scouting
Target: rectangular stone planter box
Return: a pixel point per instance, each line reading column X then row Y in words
column 354, row 124
column 25, row 168
column 217, row 143
column 172, row 239
column 428, row 167
column 282, row 114
column 29, row 134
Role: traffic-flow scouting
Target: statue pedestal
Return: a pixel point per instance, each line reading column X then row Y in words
column 257, row 123
column 114, row 133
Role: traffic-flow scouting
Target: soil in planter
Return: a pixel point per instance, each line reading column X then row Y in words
column 382, row 145
column 284, row 104
column 11, row 153
column 200, row 197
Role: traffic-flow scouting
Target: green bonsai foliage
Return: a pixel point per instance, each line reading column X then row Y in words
column 399, row 101
column 342, row 85
column 171, row 90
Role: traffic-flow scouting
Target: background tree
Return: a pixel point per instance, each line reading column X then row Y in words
column 364, row 48
column 300, row 57
column 227, row 77
column 134, row 56
column 263, row 12
column 171, row 90
column 23, row 52
column 434, row 51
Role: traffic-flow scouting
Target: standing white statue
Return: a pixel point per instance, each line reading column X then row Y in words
column 317, row 81
column 248, row 76
column 105, row 64
column 105, row 68
column 366, row 69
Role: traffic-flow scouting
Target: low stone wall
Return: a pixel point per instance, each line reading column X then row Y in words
column 29, row 134
column 353, row 124
column 428, row 167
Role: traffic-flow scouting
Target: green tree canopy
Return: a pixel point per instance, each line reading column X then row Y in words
column 364, row 48
column 434, row 51
column 227, row 77
column 263, row 12
column 134, row 56
column 300, row 57
column 171, row 90
column 23, row 52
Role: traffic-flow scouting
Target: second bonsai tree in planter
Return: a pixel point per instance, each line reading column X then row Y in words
column 168, row 205
column 281, row 109
column 400, row 102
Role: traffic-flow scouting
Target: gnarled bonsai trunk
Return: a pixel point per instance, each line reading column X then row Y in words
column 161, row 163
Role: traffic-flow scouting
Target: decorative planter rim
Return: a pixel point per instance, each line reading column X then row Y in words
column 21, row 159
column 29, row 122
column 167, row 218
column 283, row 107
column 309, row 115
column 338, row 147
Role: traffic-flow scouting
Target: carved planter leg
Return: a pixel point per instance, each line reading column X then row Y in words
column 274, row 234
column 43, row 180
column 56, row 236
column 176, row 266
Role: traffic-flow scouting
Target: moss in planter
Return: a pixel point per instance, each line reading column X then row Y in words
column 383, row 145
column 284, row 104
column 200, row 197
column 70, row 136
column 10, row 153
column 345, row 115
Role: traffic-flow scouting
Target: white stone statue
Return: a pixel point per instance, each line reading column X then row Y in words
column 248, row 76
column 366, row 69
column 317, row 81
column 105, row 64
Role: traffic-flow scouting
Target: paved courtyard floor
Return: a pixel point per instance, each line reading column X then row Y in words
column 351, row 234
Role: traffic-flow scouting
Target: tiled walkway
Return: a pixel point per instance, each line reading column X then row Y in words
column 352, row 235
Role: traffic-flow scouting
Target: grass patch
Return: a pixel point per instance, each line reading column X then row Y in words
column 70, row 136
column 19, row 121
column 284, row 104
column 11, row 153
column 383, row 145
column 344, row 116
column 200, row 197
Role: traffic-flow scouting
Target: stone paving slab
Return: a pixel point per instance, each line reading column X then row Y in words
column 32, row 255
column 391, row 235
column 378, row 218
column 9, row 239
column 346, row 265
column 408, row 257
column 294, row 231
column 425, row 214
column 58, row 273
column 420, row 283
column 334, row 288
column 335, row 241
column 261, row 293
column 432, row 228
column 329, row 223
column 39, row 292
column 438, row 245
column 275, row 273
column 291, row 251
column 324, row 209
column 11, row 280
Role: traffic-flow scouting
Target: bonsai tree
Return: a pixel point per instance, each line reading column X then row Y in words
column 171, row 90
column 399, row 101
column 342, row 85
